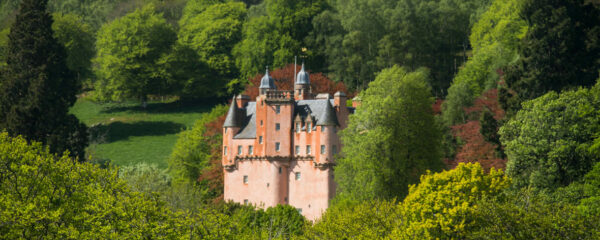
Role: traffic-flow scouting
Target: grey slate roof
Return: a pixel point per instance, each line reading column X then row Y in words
column 249, row 129
column 316, row 108
column 321, row 110
column 233, row 116
column 328, row 117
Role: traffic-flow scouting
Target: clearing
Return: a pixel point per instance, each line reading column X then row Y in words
column 128, row 134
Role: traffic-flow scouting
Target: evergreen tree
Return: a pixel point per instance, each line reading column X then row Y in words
column 561, row 50
column 37, row 88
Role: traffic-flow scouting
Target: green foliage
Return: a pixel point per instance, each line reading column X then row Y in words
column 393, row 136
column 37, row 88
column 443, row 205
column 591, row 188
column 48, row 196
column 78, row 39
column 3, row 46
column 211, row 31
column 358, row 38
column 495, row 40
column 528, row 215
column 373, row 219
column 275, row 38
column 548, row 141
column 192, row 152
column 561, row 50
column 132, row 54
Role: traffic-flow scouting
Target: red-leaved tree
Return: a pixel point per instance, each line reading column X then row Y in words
column 284, row 80
column 475, row 147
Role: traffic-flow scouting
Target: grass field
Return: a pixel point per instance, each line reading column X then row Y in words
column 127, row 134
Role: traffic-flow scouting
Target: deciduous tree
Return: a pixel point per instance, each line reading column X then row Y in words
column 132, row 56
column 393, row 138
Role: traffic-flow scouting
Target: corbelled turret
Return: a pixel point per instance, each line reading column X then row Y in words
column 302, row 85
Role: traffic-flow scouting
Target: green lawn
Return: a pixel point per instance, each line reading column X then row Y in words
column 127, row 134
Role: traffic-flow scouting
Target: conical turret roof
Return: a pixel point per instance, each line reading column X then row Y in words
column 233, row 116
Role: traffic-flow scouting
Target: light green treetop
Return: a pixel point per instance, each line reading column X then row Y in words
column 393, row 136
column 131, row 52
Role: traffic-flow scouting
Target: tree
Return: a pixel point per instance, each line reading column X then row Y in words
column 284, row 80
column 37, row 88
column 495, row 39
column 443, row 205
column 78, row 39
column 212, row 31
column 275, row 38
column 547, row 142
column 51, row 196
column 526, row 214
column 373, row 219
column 195, row 152
column 561, row 50
column 392, row 138
column 132, row 56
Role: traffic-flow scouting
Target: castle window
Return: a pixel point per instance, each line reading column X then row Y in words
column 225, row 150
column 334, row 149
column 307, row 149
column 259, row 139
column 297, row 175
column 261, row 122
column 277, row 126
column 239, row 150
column 277, row 109
column 250, row 150
column 225, row 130
column 309, row 127
column 297, row 150
column 277, row 146
column 279, row 170
column 298, row 127
column 246, row 201
column 245, row 179
column 322, row 149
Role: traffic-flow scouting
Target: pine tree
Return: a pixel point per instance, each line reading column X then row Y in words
column 37, row 88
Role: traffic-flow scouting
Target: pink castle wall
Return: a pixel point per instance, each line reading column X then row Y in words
column 268, row 186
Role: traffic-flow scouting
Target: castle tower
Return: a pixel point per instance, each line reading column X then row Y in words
column 302, row 89
column 231, row 127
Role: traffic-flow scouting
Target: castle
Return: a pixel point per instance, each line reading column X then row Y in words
column 280, row 149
